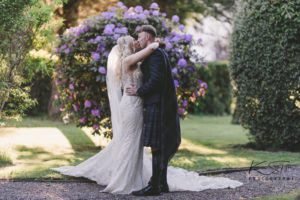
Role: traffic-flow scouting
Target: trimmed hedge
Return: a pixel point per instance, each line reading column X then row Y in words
column 265, row 65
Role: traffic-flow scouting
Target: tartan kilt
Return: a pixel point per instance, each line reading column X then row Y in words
column 152, row 125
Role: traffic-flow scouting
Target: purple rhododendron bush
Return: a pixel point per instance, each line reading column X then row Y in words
column 81, row 69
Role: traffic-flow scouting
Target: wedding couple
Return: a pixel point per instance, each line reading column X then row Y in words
column 143, row 107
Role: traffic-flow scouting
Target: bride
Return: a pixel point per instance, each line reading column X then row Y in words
column 124, row 165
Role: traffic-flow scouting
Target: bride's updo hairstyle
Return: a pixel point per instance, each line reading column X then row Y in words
column 125, row 48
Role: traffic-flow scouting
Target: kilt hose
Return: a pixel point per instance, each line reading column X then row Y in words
column 152, row 125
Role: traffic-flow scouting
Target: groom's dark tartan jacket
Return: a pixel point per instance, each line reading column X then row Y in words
column 158, row 87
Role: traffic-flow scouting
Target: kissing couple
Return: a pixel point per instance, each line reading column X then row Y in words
column 144, row 113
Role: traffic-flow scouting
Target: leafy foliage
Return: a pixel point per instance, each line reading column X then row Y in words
column 265, row 60
column 24, row 26
column 217, row 100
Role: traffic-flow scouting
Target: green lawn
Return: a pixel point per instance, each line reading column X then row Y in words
column 283, row 196
column 34, row 145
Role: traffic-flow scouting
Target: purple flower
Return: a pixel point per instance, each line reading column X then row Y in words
column 87, row 104
column 78, row 32
column 192, row 69
column 96, row 126
column 203, row 85
column 123, row 30
column 142, row 16
column 120, row 4
column 101, row 48
column 67, row 50
column 175, row 70
column 106, row 53
column 108, row 30
column 138, row 9
column 73, row 41
column 176, row 39
column 184, row 103
column 181, row 111
column 137, row 27
column 112, row 9
column 181, row 27
column 86, row 88
column 82, row 120
column 154, row 6
column 91, row 40
column 71, row 86
column 63, row 47
column 76, row 108
column 155, row 13
column 204, row 63
column 146, row 12
column 87, row 28
column 95, row 56
column 199, row 82
column 102, row 70
column 199, row 40
column 168, row 46
column 202, row 91
column 163, row 23
column 98, row 17
column 116, row 36
column 96, row 113
column 98, row 38
column 119, row 24
column 176, row 83
column 182, row 62
column 188, row 37
column 108, row 15
column 175, row 18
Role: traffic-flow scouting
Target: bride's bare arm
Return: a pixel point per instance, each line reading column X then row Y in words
column 138, row 56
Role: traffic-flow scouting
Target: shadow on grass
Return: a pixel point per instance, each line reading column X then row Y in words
column 78, row 139
column 35, row 162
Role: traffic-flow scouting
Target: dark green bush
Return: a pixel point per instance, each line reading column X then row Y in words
column 38, row 73
column 218, row 96
column 265, row 65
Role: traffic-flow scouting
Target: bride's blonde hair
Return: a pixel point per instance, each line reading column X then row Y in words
column 125, row 49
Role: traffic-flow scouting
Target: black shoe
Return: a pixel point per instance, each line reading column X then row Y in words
column 147, row 191
column 164, row 188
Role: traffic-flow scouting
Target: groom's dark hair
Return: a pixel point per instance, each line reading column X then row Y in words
column 148, row 29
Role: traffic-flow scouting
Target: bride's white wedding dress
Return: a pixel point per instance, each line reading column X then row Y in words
column 124, row 165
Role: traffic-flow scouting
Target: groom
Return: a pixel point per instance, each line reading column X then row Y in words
column 161, row 129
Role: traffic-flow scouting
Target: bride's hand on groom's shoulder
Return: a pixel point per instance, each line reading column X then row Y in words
column 154, row 45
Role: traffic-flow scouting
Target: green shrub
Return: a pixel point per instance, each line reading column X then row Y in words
column 218, row 96
column 265, row 65
column 38, row 73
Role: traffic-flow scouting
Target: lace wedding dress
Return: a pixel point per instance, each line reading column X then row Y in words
column 124, row 165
